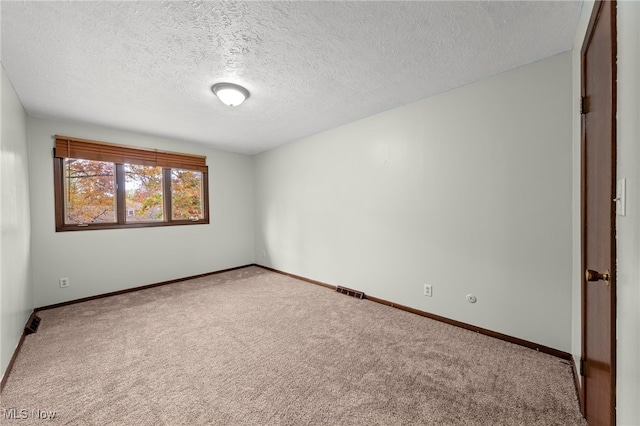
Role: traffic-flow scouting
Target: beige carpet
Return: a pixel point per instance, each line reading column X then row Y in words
column 252, row 347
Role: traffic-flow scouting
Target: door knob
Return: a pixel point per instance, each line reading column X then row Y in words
column 596, row 276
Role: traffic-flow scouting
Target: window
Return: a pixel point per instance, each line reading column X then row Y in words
column 143, row 193
column 90, row 189
column 104, row 186
column 186, row 194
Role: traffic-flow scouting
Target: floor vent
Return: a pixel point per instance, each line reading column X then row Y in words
column 353, row 293
column 32, row 325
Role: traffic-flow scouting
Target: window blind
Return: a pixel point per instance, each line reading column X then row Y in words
column 67, row 147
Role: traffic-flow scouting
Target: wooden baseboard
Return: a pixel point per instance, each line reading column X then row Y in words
column 298, row 277
column 576, row 382
column 491, row 333
column 129, row 290
column 5, row 377
column 486, row 332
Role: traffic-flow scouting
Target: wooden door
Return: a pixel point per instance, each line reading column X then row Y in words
column 598, row 216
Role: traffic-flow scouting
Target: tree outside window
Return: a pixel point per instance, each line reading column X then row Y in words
column 90, row 189
column 143, row 188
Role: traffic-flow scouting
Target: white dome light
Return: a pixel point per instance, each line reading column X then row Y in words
column 230, row 94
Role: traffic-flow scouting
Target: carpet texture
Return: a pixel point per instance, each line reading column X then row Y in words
column 252, row 347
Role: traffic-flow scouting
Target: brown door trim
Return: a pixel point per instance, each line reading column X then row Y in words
column 598, row 8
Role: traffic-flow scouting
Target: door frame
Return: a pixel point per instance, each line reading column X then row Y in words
column 597, row 9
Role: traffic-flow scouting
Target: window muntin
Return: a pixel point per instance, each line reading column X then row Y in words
column 90, row 192
column 137, row 185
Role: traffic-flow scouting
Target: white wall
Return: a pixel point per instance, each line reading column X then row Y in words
column 16, row 296
column 469, row 191
column 98, row 262
column 628, row 227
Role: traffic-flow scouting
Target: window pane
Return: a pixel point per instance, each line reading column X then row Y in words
column 90, row 195
column 143, row 189
column 186, row 194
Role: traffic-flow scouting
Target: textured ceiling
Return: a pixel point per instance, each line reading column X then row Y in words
column 310, row 66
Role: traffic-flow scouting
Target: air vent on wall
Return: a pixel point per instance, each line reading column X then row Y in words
column 349, row 292
column 32, row 324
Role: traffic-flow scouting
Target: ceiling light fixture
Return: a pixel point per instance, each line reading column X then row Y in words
column 230, row 94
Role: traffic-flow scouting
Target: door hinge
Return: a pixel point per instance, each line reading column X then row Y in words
column 584, row 105
column 582, row 366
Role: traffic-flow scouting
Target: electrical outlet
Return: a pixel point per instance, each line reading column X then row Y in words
column 428, row 290
column 264, row 254
column 64, row 282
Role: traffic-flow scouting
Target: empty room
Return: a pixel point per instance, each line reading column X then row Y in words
column 320, row 212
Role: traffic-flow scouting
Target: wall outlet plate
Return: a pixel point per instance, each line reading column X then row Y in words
column 64, row 282
column 428, row 290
